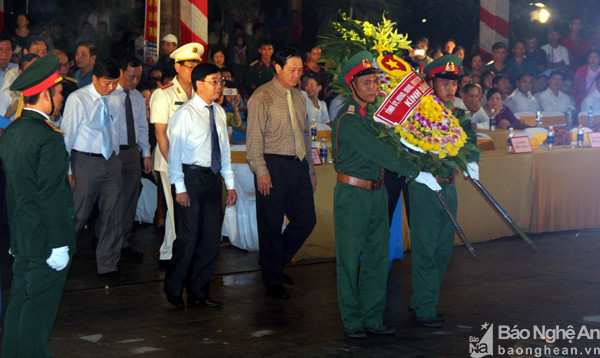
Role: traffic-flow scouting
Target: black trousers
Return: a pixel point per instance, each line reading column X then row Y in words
column 395, row 185
column 198, row 228
column 292, row 196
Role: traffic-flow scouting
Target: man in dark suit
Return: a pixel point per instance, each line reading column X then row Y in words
column 40, row 212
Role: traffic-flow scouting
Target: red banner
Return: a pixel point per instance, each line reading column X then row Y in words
column 152, row 32
column 403, row 100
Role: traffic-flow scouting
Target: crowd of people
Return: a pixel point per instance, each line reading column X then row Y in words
column 561, row 76
column 119, row 113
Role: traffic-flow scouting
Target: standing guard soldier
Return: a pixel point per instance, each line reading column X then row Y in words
column 431, row 230
column 360, row 202
column 40, row 210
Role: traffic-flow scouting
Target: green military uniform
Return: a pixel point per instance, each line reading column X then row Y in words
column 431, row 230
column 360, row 215
column 258, row 74
column 40, row 210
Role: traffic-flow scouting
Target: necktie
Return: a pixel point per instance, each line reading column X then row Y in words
column 107, row 134
column 215, row 148
column 129, row 120
column 298, row 138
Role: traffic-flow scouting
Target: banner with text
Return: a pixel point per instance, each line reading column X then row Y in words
column 403, row 100
column 152, row 32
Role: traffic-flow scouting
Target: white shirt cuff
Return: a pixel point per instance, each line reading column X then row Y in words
column 180, row 187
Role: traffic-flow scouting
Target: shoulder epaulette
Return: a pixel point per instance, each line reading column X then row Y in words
column 70, row 79
column 254, row 63
column 351, row 109
column 52, row 126
column 167, row 85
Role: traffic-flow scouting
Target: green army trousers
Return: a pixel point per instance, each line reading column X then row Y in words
column 361, row 227
column 432, row 239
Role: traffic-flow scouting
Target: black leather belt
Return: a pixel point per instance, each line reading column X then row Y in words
column 285, row 157
column 125, row 146
column 196, row 167
column 86, row 153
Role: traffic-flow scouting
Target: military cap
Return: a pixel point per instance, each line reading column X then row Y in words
column 188, row 52
column 38, row 77
column 444, row 67
column 361, row 64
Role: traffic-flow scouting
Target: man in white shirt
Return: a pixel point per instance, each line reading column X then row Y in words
column 553, row 99
column 92, row 140
column 129, row 107
column 472, row 100
column 163, row 103
column 558, row 55
column 592, row 99
column 199, row 159
column 521, row 100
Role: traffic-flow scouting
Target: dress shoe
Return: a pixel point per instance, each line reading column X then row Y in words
column 130, row 253
column 380, row 329
column 430, row 322
column 194, row 302
column 114, row 275
column 164, row 264
column 439, row 316
column 288, row 280
column 355, row 333
column 176, row 301
column 278, row 291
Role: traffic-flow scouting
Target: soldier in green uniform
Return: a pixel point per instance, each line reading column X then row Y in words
column 361, row 202
column 40, row 211
column 431, row 230
column 262, row 70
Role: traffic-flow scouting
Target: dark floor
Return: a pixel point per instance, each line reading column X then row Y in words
column 505, row 284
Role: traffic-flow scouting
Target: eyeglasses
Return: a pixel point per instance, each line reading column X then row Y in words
column 190, row 66
column 216, row 83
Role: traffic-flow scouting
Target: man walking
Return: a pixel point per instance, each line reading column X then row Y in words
column 198, row 157
column 279, row 147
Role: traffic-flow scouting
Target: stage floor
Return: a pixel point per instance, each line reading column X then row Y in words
column 505, row 284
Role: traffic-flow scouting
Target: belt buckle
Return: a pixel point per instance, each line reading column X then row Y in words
column 377, row 184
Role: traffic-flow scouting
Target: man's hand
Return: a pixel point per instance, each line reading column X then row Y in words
column 59, row 258
column 472, row 170
column 183, row 199
column 264, row 184
column 147, row 165
column 428, row 179
column 72, row 181
column 313, row 179
column 231, row 198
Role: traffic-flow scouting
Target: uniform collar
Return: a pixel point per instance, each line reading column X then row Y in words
column 180, row 92
column 361, row 110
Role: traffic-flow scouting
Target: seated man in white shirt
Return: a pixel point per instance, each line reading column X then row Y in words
column 592, row 99
column 471, row 95
column 199, row 159
column 521, row 100
column 553, row 99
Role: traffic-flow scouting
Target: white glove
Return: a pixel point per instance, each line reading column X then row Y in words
column 429, row 180
column 59, row 258
column 10, row 252
column 472, row 170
